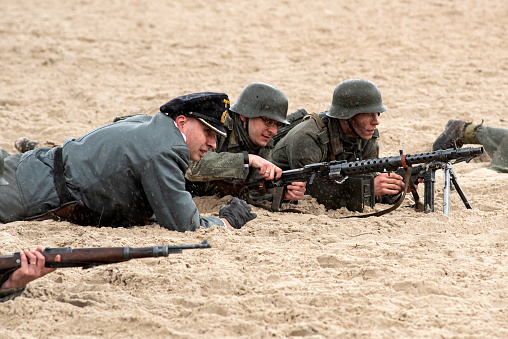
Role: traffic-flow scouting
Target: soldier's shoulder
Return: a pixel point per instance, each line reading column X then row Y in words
column 307, row 124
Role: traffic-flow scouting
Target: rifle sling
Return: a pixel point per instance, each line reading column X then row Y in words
column 407, row 175
column 416, row 197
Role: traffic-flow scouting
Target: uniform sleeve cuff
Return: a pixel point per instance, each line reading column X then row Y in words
column 11, row 293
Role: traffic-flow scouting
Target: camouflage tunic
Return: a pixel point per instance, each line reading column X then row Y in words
column 495, row 141
column 9, row 294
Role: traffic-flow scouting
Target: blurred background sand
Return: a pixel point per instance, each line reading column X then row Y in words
column 68, row 67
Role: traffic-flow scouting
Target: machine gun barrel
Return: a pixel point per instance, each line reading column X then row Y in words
column 392, row 163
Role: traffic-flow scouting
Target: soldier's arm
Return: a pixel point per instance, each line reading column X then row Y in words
column 217, row 166
column 164, row 184
column 225, row 165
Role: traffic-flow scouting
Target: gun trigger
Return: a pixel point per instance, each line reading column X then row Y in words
column 262, row 186
column 340, row 182
column 312, row 178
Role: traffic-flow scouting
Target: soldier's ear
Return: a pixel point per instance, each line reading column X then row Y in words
column 180, row 121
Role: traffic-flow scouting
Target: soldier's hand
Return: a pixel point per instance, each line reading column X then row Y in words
column 388, row 183
column 32, row 267
column 295, row 191
column 266, row 169
column 237, row 212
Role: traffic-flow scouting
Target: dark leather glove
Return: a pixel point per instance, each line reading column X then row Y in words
column 237, row 212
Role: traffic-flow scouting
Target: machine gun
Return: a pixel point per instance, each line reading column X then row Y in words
column 323, row 178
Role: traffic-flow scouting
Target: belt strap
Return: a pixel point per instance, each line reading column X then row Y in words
column 58, row 177
column 323, row 136
column 407, row 176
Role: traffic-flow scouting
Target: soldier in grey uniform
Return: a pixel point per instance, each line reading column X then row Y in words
column 32, row 267
column 124, row 172
column 347, row 131
column 246, row 152
column 493, row 139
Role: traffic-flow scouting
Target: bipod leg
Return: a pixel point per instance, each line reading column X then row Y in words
column 446, row 192
column 459, row 189
column 428, row 196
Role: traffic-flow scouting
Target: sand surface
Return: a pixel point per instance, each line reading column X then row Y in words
column 67, row 67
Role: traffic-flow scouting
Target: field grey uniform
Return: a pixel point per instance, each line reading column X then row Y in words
column 123, row 172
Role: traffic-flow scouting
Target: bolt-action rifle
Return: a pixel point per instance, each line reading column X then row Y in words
column 93, row 256
column 337, row 172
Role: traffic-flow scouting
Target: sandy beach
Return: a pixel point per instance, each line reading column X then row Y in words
column 68, row 67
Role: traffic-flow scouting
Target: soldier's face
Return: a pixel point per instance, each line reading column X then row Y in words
column 364, row 124
column 200, row 138
column 261, row 131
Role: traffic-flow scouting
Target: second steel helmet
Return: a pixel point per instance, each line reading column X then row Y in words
column 262, row 100
column 354, row 96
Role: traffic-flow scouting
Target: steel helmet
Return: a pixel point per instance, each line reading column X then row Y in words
column 262, row 100
column 354, row 96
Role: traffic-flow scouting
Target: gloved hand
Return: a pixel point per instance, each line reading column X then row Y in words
column 237, row 212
